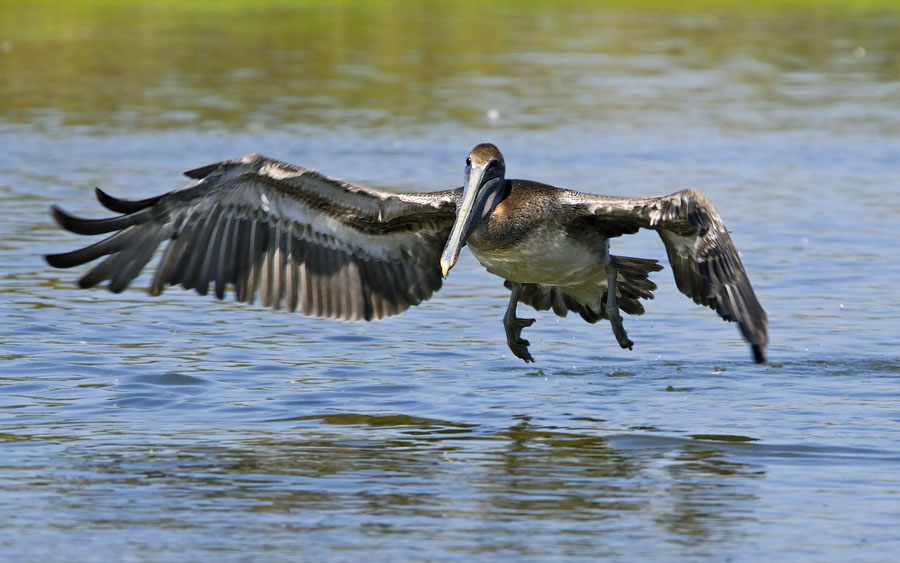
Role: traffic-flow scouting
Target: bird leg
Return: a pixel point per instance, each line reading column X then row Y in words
column 612, row 308
column 514, row 326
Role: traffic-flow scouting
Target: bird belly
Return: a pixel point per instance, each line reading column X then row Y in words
column 556, row 261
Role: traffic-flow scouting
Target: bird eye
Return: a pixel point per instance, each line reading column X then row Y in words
column 468, row 162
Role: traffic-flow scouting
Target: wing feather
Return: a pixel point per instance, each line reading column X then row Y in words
column 225, row 260
column 296, row 237
column 706, row 265
column 109, row 245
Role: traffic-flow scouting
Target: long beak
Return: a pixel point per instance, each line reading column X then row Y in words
column 467, row 217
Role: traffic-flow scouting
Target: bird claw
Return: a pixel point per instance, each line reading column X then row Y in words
column 521, row 351
column 517, row 344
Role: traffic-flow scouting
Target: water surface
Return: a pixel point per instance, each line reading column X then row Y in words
column 140, row 428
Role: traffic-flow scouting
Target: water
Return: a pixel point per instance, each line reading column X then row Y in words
column 137, row 428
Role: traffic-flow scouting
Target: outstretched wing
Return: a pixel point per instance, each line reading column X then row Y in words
column 296, row 237
column 705, row 262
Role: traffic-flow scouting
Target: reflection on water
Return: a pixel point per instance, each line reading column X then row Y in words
column 406, row 480
column 185, row 428
column 413, row 476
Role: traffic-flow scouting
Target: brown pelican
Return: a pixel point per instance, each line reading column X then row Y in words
column 336, row 250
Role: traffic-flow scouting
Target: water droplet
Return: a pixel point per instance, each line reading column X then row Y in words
column 493, row 114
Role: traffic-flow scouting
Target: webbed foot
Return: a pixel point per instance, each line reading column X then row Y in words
column 514, row 340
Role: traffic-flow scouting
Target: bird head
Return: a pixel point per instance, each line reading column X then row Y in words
column 484, row 188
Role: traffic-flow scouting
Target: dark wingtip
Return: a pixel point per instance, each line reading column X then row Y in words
column 123, row 205
column 202, row 172
column 81, row 226
column 759, row 354
column 107, row 200
column 62, row 218
column 57, row 260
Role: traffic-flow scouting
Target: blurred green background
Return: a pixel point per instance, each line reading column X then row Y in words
column 246, row 63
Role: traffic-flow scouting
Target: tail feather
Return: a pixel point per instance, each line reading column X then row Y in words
column 633, row 285
column 633, row 282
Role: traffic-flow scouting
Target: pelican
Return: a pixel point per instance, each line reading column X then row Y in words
column 302, row 240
